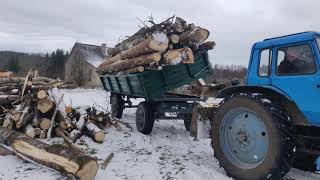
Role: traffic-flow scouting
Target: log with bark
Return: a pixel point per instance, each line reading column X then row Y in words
column 65, row 159
column 124, row 46
column 95, row 132
column 176, row 56
column 137, row 69
column 194, row 36
column 207, row 46
column 171, row 38
column 8, row 99
column 130, row 63
column 54, row 117
column 5, row 151
column 45, row 105
column 157, row 42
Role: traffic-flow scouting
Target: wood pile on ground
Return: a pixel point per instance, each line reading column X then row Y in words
column 31, row 111
column 29, row 105
column 13, row 89
column 170, row 42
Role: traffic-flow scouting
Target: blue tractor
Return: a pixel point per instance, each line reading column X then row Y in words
column 272, row 123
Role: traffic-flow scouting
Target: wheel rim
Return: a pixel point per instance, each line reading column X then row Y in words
column 140, row 117
column 244, row 138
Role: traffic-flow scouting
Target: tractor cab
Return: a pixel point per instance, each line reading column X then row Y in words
column 272, row 123
column 289, row 65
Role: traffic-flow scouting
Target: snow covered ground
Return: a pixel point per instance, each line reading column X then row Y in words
column 168, row 153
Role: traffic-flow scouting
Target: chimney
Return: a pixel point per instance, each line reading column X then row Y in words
column 104, row 49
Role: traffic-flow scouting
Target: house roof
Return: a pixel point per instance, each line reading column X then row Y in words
column 90, row 53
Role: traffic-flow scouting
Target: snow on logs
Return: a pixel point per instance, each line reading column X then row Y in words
column 168, row 43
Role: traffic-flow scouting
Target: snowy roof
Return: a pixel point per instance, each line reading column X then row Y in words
column 91, row 53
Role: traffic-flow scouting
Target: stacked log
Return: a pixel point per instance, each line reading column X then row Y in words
column 91, row 125
column 13, row 88
column 170, row 42
column 36, row 113
column 66, row 159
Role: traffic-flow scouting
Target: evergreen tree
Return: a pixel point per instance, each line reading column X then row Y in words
column 56, row 67
column 13, row 64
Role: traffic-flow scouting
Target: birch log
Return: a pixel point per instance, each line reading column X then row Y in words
column 158, row 42
column 124, row 46
column 176, row 56
column 95, row 132
column 65, row 159
column 45, row 105
column 194, row 36
column 134, row 70
column 130, row 63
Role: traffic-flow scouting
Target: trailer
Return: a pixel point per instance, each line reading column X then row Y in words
column 153, row 86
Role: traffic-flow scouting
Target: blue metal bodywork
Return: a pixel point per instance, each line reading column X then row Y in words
column 303, row 90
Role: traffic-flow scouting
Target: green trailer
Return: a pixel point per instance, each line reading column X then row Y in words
column 154, row 86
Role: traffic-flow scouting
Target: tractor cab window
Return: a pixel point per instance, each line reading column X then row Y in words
column 295, row 60
column 265, row 57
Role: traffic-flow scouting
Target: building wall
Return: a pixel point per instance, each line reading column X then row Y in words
column 79, row 71
column 93, row 79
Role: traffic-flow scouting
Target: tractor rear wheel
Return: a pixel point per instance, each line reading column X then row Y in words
column 252, row 139
column 144, row 118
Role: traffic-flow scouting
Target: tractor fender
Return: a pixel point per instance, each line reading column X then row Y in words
column 274, row 93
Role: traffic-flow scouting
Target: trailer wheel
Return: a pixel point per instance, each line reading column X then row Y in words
column 252, row 139
column 117, row 105
column 187, row 121
column 144, row 118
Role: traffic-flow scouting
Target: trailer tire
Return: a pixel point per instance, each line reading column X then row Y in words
column 117, row 105
column 144, row 118
column 187, row 122
column 252, row 139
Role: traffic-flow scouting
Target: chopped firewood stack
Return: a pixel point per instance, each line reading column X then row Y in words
column 12, row 89
column 26, row 105
column 170, row 42
column 38, row 116
column 92, row 124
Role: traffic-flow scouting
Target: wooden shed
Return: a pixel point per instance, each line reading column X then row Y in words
column 82, row 62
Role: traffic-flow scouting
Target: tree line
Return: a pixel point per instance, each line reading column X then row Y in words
column 225, row 73
column 49, row 64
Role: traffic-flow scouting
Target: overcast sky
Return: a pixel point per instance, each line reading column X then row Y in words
column 43, row 25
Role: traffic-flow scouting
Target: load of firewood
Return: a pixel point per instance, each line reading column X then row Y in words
column 170, row 42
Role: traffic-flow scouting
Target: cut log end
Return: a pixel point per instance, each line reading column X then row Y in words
column 176, row 56
column 42, row 94
column 174, row 38
column 29, row 83
column 45, row 123
column 44, row 105
column 187, row 56
column 200, row 35
column 88, row 171
column 99, row 136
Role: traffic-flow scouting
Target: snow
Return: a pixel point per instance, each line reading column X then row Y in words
column 168, row 153
column 92, row 54
column 160, row 37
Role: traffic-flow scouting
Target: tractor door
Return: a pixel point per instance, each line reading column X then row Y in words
column 296, row 72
